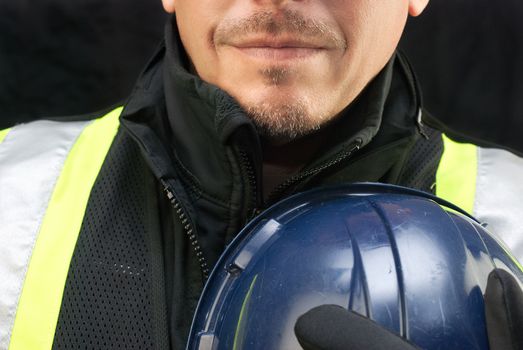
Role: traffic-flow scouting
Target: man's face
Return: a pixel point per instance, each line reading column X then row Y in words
column 291, row 64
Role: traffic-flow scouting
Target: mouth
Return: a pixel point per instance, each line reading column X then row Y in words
column 278, row 54
column 278, row 49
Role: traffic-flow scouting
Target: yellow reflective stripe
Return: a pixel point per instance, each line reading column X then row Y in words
column 41, row 297
column 3, row 134
column 457, row 174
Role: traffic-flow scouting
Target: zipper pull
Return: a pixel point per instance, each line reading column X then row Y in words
column 167, row 191
column 356, row 147
column 254, row 213
column 419, row 123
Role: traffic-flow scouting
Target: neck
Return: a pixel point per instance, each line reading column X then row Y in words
column 283, row 159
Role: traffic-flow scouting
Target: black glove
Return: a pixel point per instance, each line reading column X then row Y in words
column 331, row 327
column 504, row 311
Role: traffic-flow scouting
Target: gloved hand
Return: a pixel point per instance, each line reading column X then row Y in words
column 504, row 311
column 331, row 327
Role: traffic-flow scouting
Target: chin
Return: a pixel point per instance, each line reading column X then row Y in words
column 281, row 116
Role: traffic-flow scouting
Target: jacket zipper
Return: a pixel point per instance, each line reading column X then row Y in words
column 278, row 191
column 188, row 229
column 248, row 170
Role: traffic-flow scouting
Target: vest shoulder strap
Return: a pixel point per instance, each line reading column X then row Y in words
column 3, row 134
column 47, row 170
column 457, row 172
column 486, row 182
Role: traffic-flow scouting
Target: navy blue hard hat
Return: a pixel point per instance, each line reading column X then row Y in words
column 411, row 262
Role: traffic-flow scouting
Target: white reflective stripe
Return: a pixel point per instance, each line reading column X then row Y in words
column 31, row 159
column 499, row 196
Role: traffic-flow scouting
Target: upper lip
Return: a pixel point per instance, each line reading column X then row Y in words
column 275, row 43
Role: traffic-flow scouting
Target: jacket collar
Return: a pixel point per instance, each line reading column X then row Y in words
column 198, row 122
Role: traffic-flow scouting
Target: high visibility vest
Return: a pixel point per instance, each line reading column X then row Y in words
column 47, row 172
column 487, row 183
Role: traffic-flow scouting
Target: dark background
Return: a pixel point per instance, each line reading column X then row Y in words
column 468, row 55
column 67, row 57
column 63, row 57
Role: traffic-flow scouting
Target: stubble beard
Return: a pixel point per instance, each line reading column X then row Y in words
column 282, row 117
column 281, row 122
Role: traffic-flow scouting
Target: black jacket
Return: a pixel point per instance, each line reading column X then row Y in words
column 183, row 177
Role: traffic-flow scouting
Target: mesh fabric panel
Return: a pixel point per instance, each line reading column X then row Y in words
column 111, row 296
column 420, row 169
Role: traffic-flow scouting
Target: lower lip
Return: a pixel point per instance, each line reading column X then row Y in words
column 279, row 54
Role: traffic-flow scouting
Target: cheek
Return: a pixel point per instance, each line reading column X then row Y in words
column 371, row 22
column 195, row 25
column 389, row 22
column 197, row 20
column 373, row 29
